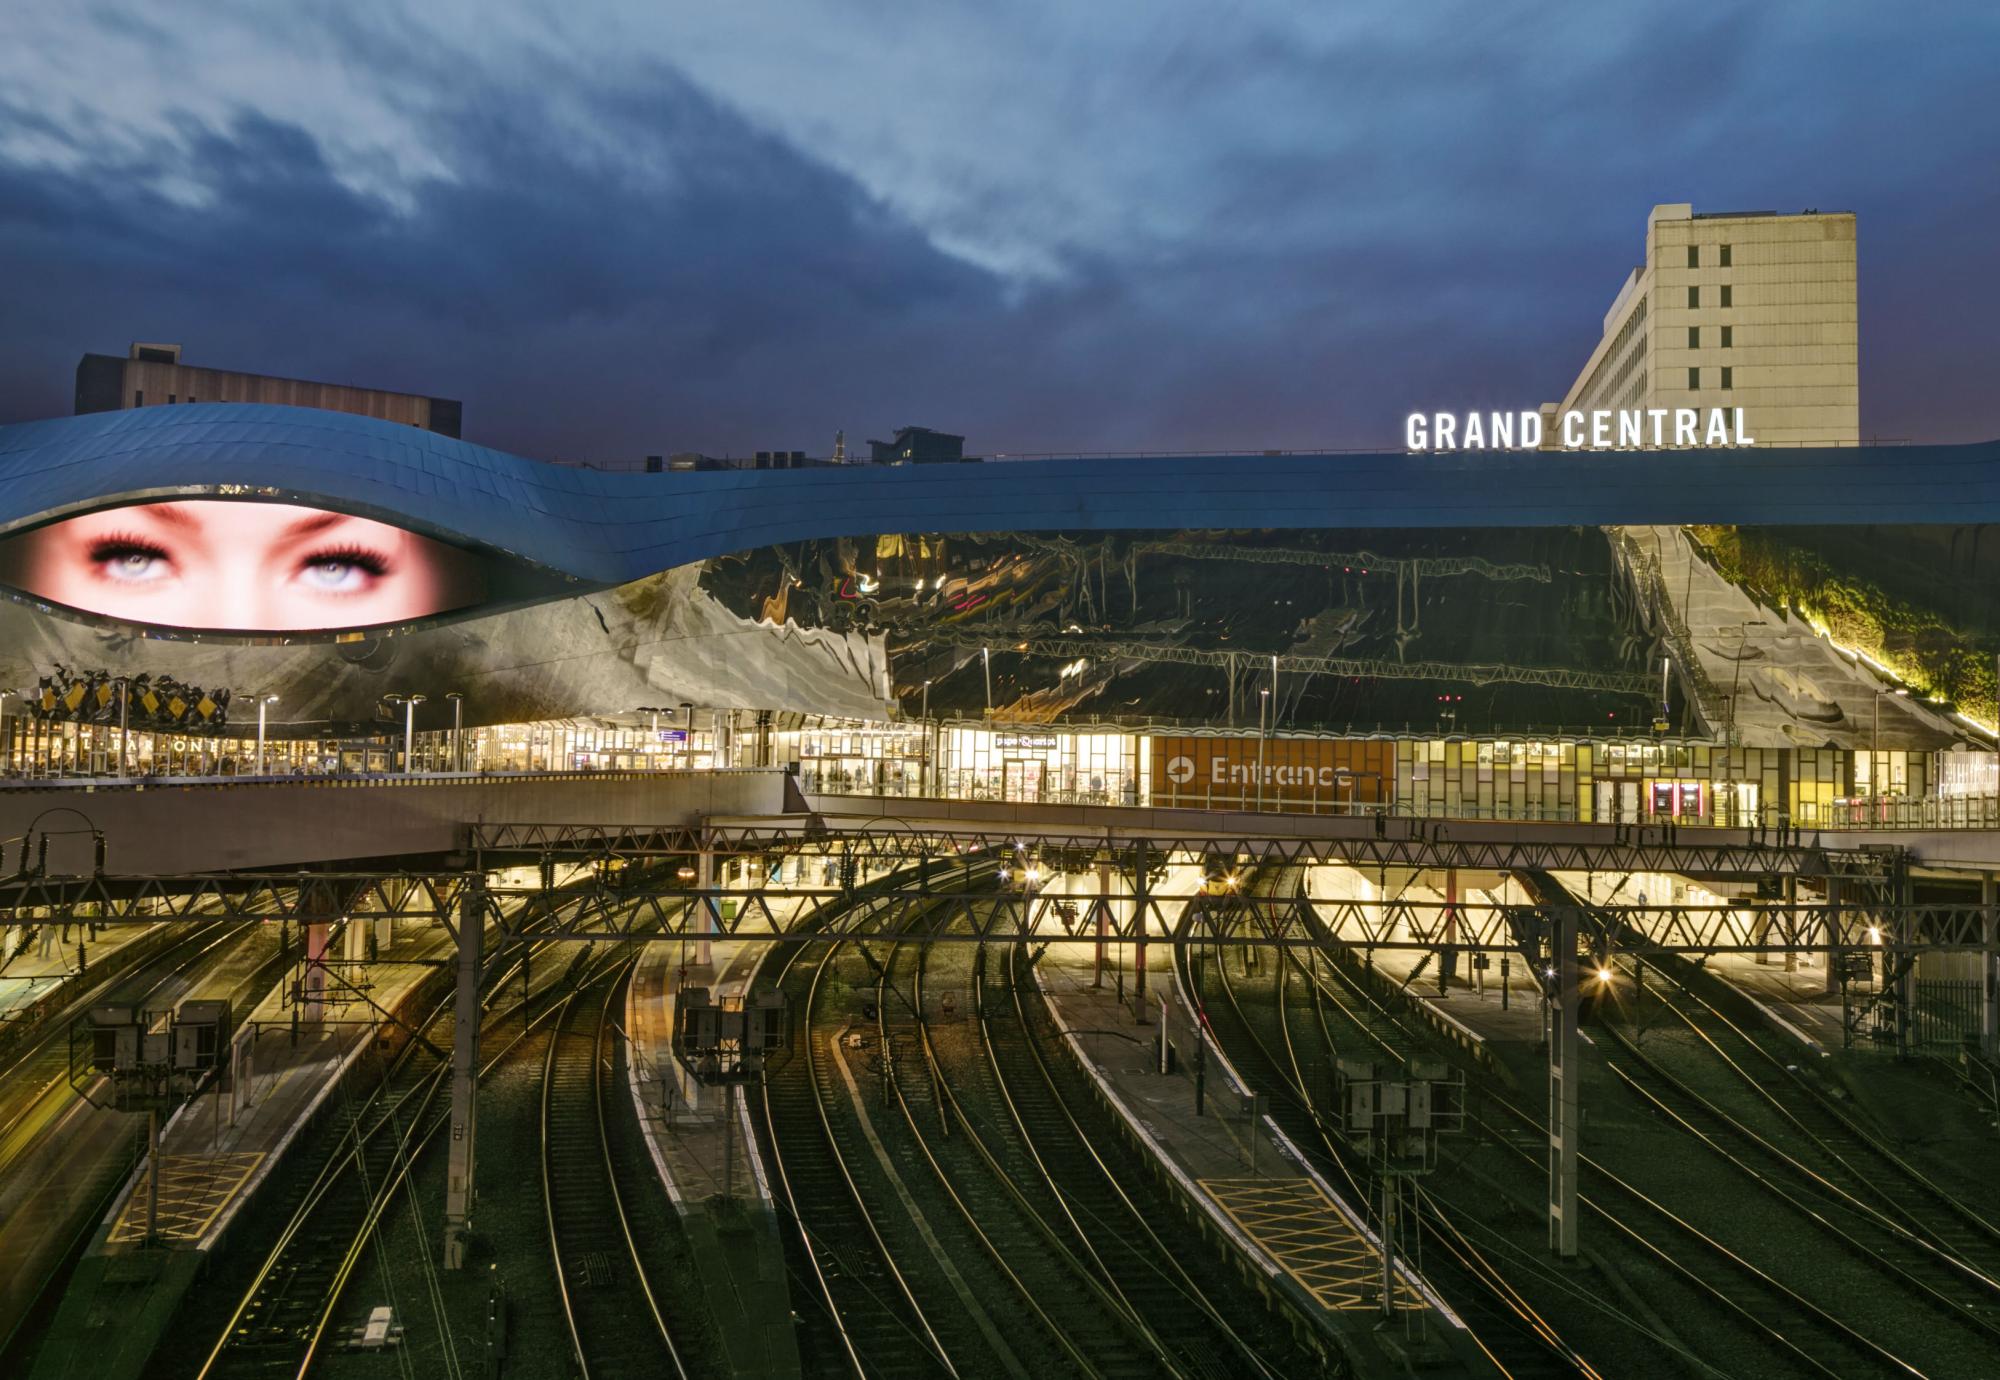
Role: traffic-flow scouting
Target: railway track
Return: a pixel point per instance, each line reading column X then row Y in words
column 1796, row 1331
column 616, row 1324
column 1203, row 1314
column 1005, row 1196
column 1846, row 1156
column 37, row 1102
column 41, row 1071
column 1260, row 1038
column 1964, row 1297
column 1838, row 1175
column 285, row 1314
column 871, row 1319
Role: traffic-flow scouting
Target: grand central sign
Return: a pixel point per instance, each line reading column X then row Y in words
column 1657, row 428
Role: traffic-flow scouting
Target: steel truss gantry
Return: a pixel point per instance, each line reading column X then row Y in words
column 1365, row 843
column 982, row 886
column 1049, row 643
column 989, row 910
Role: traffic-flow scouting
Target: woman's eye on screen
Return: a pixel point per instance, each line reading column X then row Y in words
column 341, row 572
column 130, row 562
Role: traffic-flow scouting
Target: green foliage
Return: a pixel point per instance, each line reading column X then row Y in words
column 1918, row 643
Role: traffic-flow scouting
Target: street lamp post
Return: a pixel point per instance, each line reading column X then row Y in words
column 986, row 665
column 687, row 743
column 924, row 718
column 1875, row 740
column 1263, row 709
column 409, row 703
column 1742, row 639
column 457, row 699
column 264, row 702
column 410, row 733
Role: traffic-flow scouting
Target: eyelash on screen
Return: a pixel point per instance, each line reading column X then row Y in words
column 371, row 561
column 110, row 547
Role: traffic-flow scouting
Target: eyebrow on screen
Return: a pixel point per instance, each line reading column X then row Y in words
column 314, row 522
column 170, row 514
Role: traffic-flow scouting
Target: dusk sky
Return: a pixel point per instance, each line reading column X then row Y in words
column 617, row 229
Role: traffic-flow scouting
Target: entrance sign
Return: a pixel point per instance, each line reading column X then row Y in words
column 1311, row 774
column 1658, row 428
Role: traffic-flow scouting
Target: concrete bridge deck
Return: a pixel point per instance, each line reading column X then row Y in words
column 195, row 826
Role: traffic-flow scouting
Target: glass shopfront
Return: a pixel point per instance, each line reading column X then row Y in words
column 1038, row 764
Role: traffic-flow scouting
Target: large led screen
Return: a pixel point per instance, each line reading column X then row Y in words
column 212, row 564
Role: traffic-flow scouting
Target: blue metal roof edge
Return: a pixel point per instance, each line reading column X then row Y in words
column 611, row 527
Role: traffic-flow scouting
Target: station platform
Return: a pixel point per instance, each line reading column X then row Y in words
column 44, row 969
column 61, row 1157
column 1498, row 1004
column 705, row 1151
column 1791, row 991
column 1240, row 1170
column 1794, row 1000
column 217, row 1150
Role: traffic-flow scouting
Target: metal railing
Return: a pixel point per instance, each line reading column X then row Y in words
column 1907, row 812
column 1894, row 813
column 365, row 779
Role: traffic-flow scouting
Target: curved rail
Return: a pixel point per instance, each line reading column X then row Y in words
column 581, row 1206
column 1175, row 1298
column 393, row 1126
column 871, row 1297
column 1806, row 1345
column 1858, row 1161
column 1935, row 1276
column 984, row 1226
column 1508, row 1313
column 46, row 1060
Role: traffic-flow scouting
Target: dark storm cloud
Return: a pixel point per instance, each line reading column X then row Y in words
column 1255, row 237
column 578, row 313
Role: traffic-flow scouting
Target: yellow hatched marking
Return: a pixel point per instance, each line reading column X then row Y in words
column 193, row 1191
column 1311, row 1241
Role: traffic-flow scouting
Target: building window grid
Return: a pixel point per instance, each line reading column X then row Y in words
column 1694, row 337
column 1727, row 296
column 1617, row 364
column 1694, row 380
column 1728, row 376
column 1694, row 295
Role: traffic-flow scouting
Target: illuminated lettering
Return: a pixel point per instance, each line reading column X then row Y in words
column 1597, row 429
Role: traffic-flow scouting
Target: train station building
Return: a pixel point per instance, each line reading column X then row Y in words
column 1073, row 915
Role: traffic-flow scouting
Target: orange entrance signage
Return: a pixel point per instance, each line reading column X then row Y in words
column 1304, row 773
